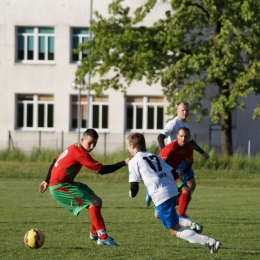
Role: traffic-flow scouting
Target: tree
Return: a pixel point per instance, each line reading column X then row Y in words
column 201, row 49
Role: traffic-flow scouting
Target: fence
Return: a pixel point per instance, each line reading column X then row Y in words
column 60, row 140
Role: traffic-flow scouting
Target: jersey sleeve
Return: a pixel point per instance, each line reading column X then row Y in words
column 86, row 160
column 165, row 153
column 134, row 175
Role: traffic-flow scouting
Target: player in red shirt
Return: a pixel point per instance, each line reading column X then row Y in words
column 174, row 154
column 75, row 196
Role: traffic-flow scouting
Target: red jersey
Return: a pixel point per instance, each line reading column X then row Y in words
column 69, row 163
column 174, row 154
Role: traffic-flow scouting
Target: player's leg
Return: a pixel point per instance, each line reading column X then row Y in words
column 197, row 227
column 192, row 184
column 168, row 216
column 98, row 203
column 184, row 200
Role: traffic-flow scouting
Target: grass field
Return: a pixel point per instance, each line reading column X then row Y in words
column 226, row 203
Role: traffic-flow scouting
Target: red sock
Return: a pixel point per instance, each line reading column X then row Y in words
column 97, row 221
column 183, row 203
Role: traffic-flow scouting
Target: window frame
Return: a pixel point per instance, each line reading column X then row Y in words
column 92, row 102
column 36, row 34
column 80, row 36
column 35, row 102
column 145, row 104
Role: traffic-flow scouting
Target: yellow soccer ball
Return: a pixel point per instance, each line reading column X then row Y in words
column 34, row 238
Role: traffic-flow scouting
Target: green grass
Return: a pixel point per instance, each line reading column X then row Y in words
column 225, row 202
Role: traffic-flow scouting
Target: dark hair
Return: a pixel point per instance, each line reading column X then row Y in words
column 138, row 141
column 91, row 132
column 187, row 130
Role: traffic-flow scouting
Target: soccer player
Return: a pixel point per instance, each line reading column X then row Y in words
column 170, row 131
column 174, row 154
column 158, row 180
column 75, row 196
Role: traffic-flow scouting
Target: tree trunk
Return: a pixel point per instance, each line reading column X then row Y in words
column 226, row 135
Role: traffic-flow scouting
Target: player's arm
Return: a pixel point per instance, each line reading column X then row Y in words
column 160, row 139
column 197, row 148
column 44, row 185
column 113, row 167
column 134, row 188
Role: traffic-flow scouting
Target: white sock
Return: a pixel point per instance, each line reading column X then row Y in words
column 185, row 222
column 193, row 237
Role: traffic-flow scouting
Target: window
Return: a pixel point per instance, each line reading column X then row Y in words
column 144, row 113
column 34, row 112
column 98, row 116
column 35, row 44
column 79, row 35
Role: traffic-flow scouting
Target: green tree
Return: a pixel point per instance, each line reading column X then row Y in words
column 201, row 49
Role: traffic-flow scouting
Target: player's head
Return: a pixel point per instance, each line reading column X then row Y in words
column 183, row 136
column 136, row 143
column 183, row 110
column 89, row 139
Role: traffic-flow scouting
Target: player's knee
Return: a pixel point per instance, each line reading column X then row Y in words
column 186, row 189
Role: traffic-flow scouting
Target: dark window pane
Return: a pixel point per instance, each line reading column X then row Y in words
column 150, row 118
column 29, row 115
column 20, row 109
column 50, row 48
column 41, row 48
column 20, row 48
column 104, row 116
column 139, row 117
column 129, row 117
column 74, row 121
column 160, row 117
column 40, row 115
column 30, row 47
column 75, row 42
column 95, row 116
column 50, row 116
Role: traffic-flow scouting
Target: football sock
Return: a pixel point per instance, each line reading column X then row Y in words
column 97, row 221
column 183, row 203
column 193, row 237
column 185, row 222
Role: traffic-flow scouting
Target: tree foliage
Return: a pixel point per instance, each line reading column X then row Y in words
column 200, row 49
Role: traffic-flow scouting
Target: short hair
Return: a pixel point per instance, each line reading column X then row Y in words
column 187, row 130
column 138, row 141
column 185, row 103
column 91, row 132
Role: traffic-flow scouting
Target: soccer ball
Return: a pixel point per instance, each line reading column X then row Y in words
column 34, row 238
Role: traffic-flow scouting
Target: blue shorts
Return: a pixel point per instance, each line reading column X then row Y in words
column 189, row 175
column 167, row 213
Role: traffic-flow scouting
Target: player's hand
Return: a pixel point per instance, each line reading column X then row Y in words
column 205, row 155
column 181, row 174
column 43, row 187
column 127, row 160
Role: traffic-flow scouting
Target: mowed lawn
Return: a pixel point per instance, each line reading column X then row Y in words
column 227, row 204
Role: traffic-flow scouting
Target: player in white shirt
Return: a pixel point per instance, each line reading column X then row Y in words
column 157, row 177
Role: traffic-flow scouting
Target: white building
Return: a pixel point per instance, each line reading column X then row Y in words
column 38, row 106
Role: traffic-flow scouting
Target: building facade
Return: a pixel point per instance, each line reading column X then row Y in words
column 39, row 106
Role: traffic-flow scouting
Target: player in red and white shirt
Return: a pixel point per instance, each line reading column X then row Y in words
column 157, row 177
column 75, row 196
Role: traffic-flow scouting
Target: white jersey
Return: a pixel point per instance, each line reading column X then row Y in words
column 156, row 175
column 172, row 127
